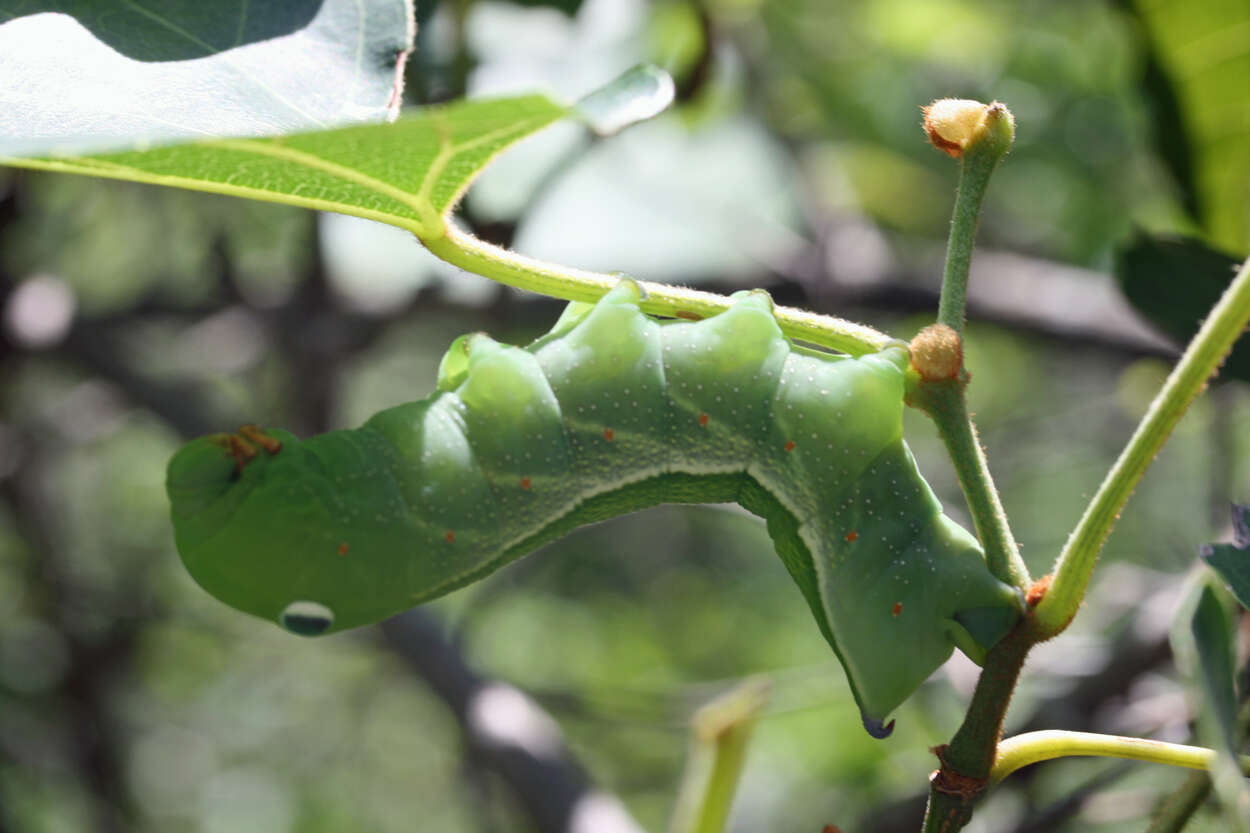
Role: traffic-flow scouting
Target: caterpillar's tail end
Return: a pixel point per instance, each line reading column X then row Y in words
column 879, row 729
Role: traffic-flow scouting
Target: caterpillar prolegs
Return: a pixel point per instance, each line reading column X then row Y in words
column 611, row 412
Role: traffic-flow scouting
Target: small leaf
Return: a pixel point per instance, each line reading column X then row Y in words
column 1167, row 125
column 1173, row 282
column 112, row 74
column 1231, row 562
column 1202, row 638
column 1213, row 628
column 637, row 95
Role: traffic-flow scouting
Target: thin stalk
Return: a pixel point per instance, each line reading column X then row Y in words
column 1189, row 378
column 944, row 401
column 977, row 164
column 471, row 254
column 980, row 135
column 966, row 761
column 721, row 733
column 1033, row 747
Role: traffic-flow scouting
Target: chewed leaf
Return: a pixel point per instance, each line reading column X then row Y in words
column 1232, row 561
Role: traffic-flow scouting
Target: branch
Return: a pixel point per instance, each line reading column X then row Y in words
column 508, row 732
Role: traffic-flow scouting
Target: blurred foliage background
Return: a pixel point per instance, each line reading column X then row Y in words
column 134, row 316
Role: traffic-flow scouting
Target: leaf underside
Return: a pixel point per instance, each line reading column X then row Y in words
column 99, row 75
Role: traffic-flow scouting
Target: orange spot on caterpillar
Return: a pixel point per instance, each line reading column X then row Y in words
column 831, row 828
column 789, row 446
column 898, row 608
column 342, row 550
column 852, row 536
column 689, row 316
column 609, row 434
column 525, row 482
column 450, row 536
column 703, row 419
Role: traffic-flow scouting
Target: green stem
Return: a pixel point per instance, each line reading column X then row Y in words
column 944, row 401
column 1032, row 747
column 977, row 164
column 462, row 249
column 966, row 761
column 721, row 732
column 1201, row 359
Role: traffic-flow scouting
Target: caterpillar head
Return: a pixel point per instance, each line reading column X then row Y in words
column 262, row 521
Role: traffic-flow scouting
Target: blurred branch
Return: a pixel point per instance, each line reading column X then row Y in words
column 1016, row 291
column 1052, row 817
column 95, row 657
column 525, row 750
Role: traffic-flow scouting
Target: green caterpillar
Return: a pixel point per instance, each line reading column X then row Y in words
column 609, row 413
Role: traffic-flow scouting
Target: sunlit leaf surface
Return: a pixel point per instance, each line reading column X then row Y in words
column 1205, row 49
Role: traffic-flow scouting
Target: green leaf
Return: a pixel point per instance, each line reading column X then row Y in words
column 1204, row 49
column 1167, row 124
column 1174, row 282
column 1202, row 638
column 408, row 173
column 110, row 73
column 1231, row 562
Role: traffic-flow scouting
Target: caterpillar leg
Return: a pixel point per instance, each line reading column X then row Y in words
column 246, row 444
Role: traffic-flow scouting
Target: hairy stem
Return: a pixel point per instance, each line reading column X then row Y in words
column 1033, row 747
column 462, row 249
column 967, row 760
column 944, row 401
column 1188, row 379
column 977, row 164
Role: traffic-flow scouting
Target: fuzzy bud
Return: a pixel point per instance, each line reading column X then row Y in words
column 937, row 353
column 953, row 124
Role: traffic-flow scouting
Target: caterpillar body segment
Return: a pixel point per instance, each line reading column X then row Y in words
column 611, row 412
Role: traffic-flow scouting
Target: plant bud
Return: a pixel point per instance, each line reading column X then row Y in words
column 953, row 124
column 937, row 353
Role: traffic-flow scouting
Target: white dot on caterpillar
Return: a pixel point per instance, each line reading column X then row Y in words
column 306, row 618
